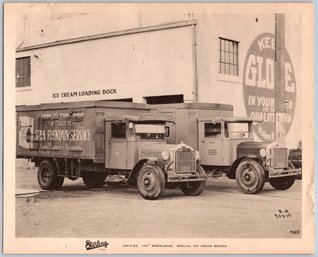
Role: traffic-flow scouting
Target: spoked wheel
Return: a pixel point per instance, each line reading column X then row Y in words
column 250, row 176
column 94, row 179
column 283, row 183
column 47, row 176
column 194, row 188
column 151, row 182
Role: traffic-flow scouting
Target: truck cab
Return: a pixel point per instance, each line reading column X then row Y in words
column 226, row 144
column 219, row 138
column 137, row 147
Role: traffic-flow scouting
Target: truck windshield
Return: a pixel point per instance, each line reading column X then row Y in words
column 150, row 131
column 239, row 129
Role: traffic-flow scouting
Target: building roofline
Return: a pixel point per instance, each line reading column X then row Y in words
column 109, row 34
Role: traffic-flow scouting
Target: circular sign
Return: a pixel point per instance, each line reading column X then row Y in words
column 264, row 100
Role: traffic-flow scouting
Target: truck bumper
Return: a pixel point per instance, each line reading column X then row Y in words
column 186, row 177
column 277, row 173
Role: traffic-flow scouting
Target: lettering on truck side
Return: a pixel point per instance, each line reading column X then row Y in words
column 63, row 135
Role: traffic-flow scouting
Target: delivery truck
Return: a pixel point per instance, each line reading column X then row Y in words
column 226, row 145
column 95, row 139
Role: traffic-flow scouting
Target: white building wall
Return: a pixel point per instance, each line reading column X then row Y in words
column 214, row 86
column 42, row 23
column 129, row 66
column 146, row 64
column 222, row 88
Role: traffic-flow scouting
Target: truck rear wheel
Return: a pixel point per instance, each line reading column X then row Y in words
column 47, row 176
column 250, row 176
column 283, row 183
column 94, row 179
column 194, row 188
column 151, row 182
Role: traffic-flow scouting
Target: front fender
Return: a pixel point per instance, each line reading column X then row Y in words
column 152, row 160
column 232, row 172
column 133, row 175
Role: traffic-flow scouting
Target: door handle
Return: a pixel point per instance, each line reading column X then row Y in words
column 202, row 141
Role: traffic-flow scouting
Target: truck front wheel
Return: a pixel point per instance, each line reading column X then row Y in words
column 151, row 182
column 194, row 188
column 250, row 176
column 47, row 176
column 94, row 179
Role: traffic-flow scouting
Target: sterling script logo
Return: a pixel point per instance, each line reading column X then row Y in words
column 93, row 245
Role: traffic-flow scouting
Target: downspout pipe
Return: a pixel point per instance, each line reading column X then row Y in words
column 195, row 91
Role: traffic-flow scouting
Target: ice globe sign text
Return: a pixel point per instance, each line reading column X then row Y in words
column 259, row 86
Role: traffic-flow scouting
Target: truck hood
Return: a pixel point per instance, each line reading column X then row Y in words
column 154, row 150
column 250, row 148
column 252, row 145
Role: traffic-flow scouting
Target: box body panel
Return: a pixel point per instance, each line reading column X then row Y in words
column 69, row 130
column 186, row 116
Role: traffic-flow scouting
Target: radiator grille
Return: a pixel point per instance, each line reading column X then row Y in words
column 185, row 161
column 279, row 158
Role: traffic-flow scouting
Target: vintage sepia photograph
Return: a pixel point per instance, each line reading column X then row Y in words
column 158, row 128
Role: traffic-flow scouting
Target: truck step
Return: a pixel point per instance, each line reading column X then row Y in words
column 117, row 178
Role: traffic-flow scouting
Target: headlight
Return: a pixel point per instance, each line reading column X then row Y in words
column 262, row 153
column 165, row 155
column 197, row 155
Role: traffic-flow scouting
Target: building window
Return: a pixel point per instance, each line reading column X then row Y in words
column 129, row 100
column 164, row 99
column 23, row 72
column 229, row 63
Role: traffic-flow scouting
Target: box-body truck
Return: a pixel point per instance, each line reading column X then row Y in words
column 95, row 139
column 226, row 145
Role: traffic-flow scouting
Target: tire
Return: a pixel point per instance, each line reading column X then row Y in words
column 283, row 183
column 94, row 179
column 194, row 188
column 250, row 176
column 151, row 182
column 47, row 176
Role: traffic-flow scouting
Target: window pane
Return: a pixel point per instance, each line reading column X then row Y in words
column 118, row 130
column 228, row 56
column 231, row 47
column 212, row 130
column 23, row 72
column 227, row 69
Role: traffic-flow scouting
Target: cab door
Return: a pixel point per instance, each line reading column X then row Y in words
column 211, row 143
column 116, row 145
